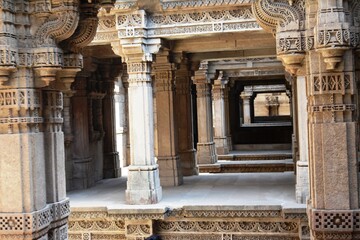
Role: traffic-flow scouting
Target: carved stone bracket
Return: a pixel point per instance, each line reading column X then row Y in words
column 86, row 30
column 286, row 21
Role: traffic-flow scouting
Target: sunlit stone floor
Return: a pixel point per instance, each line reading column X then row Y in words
column 236, row 189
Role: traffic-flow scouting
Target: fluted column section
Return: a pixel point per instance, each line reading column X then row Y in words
column 206, row 153
column 184, row 112
column 167, row 147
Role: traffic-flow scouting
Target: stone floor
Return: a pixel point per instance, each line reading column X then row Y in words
column 232, row 189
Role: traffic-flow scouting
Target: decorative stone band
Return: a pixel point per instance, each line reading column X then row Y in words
column 333, row 108
column 174, row 24
column 20, row 98
column 189, row 223
column 30, row 223
column 167, row 5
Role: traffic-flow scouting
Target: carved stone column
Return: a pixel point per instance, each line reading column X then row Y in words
column 111, row 156
column 333, row 139
column 167, row 147
column 206, row 152
column 184, row 114
column 246, row 97
column 220, row 120
column 143, row 184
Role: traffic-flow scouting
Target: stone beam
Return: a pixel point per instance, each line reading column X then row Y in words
column 226, row 42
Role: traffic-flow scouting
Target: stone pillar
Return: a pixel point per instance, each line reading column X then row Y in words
column 206, row 153
column 220, row 120
column 302, row 165
column 120, row 119
column 167, row 147
column 111, row 156
column 143, row 184
column 333, row 140
column 54, row 151
column 83, row 169
column 227, row 116
column 246, row 97
column 184, row 114
column 68, row 136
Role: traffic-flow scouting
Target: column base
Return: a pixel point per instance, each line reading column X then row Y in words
column 83, row 174
column 206, row 153
column 188, row 162
column 221, row 144
column 302, row 182
column 143, row 185
column 229, row 142
column 112, row 165
column 170, row 171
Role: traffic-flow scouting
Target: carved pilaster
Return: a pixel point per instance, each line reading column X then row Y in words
column 206, row 153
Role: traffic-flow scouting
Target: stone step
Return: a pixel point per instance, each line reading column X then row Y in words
column 254, row 156
column 248, row 166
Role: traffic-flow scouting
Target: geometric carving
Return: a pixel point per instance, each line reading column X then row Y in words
column 327, row 220
column 332, row 83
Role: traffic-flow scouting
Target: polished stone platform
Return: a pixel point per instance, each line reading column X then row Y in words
column 265, row 190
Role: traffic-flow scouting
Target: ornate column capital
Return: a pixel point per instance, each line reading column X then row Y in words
column 201, row 75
